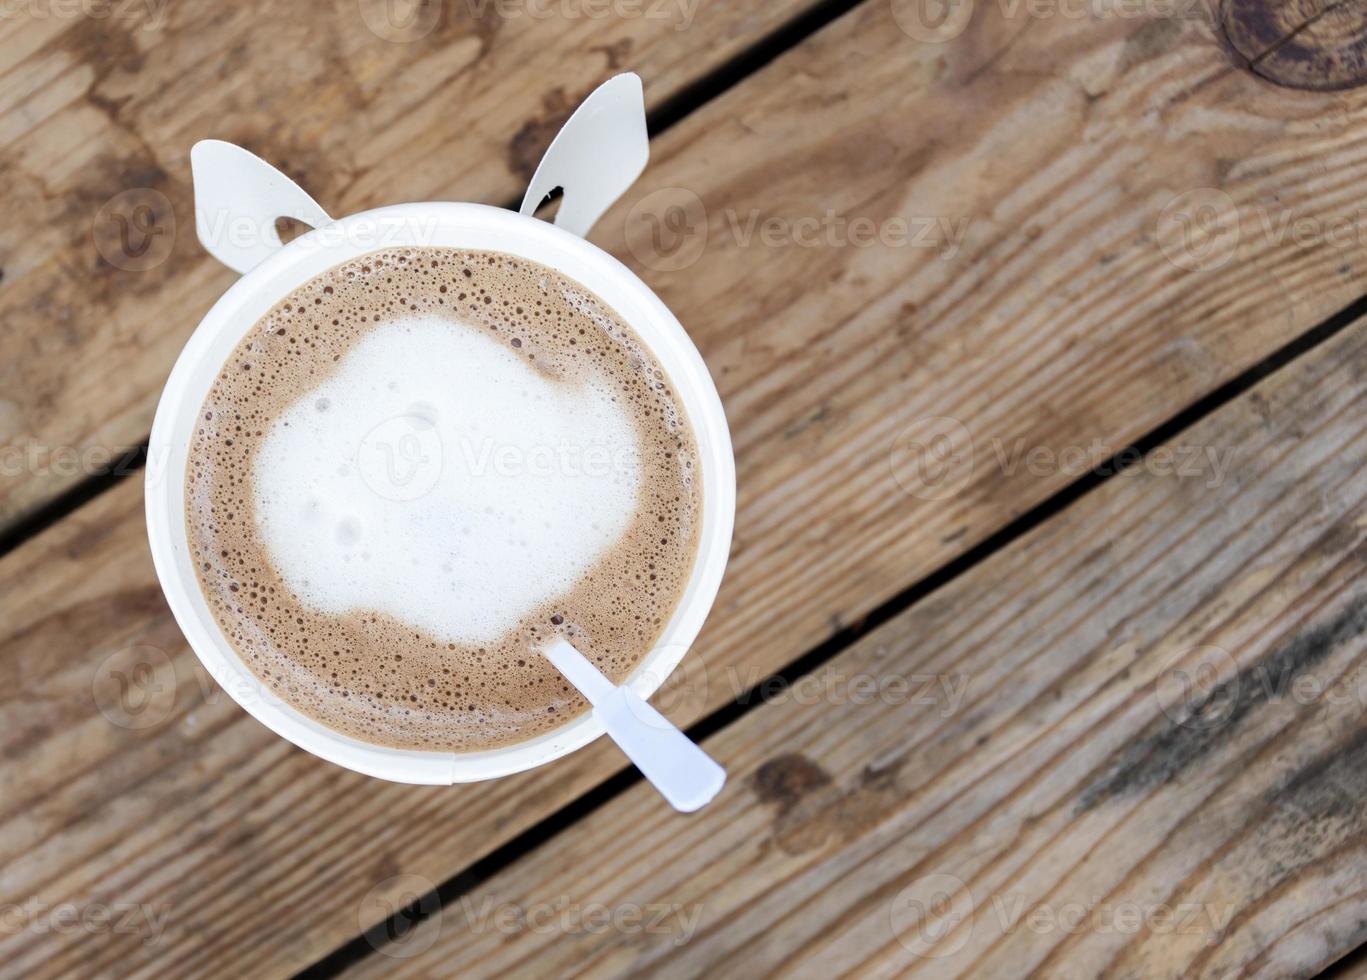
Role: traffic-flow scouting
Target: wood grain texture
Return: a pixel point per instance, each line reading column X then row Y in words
column 1079, row 810
column 1059, row 319
column 161, row 792
column 101, row 276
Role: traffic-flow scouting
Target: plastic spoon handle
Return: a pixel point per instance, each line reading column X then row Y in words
column 684, row 774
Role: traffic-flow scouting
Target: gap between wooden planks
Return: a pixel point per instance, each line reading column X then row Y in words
column 97, row 121
column 1058, row 320
column 1353, row 966
column 1027, row 771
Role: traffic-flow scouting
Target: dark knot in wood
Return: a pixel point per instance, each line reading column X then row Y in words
column 1320, row 45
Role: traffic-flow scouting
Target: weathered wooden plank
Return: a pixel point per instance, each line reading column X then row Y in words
column 1060, row 321
column 157, row 791
column 366, row 102
column 1032, row 761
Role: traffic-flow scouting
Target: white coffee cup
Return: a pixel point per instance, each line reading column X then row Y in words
column 282, row 268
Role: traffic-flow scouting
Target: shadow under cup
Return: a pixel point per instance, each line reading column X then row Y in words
column 437, row 225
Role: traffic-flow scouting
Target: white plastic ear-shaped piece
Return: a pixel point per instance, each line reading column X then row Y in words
column 596, row 156
column 238, row 198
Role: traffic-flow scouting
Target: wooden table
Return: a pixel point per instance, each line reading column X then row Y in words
column 1041, row 648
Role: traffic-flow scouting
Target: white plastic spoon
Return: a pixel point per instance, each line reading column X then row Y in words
column 683, row 773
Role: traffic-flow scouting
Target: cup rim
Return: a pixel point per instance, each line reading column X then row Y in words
column 431, row 224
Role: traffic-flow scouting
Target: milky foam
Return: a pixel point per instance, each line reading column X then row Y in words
column 442, row 479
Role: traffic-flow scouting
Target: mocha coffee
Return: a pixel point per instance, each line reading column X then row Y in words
column 418, row 468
